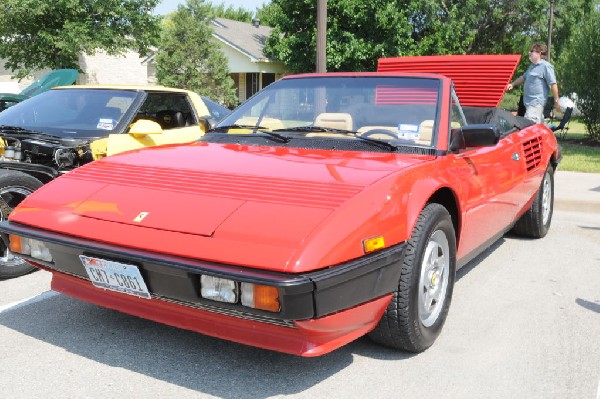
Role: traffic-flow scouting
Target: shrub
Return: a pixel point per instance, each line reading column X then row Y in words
column 579, row 66
column 510, row 101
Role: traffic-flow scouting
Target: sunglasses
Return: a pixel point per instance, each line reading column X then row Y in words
column 534, row 51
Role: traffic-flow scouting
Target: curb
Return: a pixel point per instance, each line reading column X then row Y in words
column 577, row 191
column 576, row 205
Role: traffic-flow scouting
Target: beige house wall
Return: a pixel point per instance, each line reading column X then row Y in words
column 10, row 84
column 102, row 68
column 130, row 68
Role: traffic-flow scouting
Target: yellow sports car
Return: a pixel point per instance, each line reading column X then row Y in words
column 66, row 127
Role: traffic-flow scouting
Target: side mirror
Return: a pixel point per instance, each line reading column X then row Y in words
column 144, row 127
column 474, row 136
column 204, row 122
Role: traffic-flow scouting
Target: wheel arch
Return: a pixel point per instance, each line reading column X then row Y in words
column 447, row 198
column 43, row 174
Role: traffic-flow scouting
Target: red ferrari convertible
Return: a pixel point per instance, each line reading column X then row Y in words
column 326, row 207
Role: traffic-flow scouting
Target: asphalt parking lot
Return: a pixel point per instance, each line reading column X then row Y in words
column 524, row 323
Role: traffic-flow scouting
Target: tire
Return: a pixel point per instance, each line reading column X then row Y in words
column 14, row 187
column 415, row 316
column 535, row 223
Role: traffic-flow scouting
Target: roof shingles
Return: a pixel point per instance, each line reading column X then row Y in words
column 243, row 36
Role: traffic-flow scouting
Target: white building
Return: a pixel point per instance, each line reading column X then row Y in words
column 242, row 43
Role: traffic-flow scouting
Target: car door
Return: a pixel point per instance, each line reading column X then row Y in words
column 175, row 114
column 490, row 180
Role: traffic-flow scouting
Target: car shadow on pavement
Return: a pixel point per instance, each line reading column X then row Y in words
column 593, row 306
column 193, row 361
column 463, row 271
column 204, row 364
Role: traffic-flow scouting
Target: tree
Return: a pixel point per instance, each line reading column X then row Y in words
column 568, row 14
column 267, row 13
column 230, row 12
column 38, row 34
column 580, row 63
column 503, row 26
column 188, row 58
column 360, row 32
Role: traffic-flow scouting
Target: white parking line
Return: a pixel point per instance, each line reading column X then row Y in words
column 28, row 301
column 598, row 393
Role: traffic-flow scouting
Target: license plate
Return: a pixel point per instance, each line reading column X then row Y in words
column 115, row 276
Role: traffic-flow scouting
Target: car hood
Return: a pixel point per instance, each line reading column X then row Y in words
column 479, row 80
column 266, row 196
column 59, row 77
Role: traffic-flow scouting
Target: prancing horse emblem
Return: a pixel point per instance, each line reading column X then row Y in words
column 141, row 216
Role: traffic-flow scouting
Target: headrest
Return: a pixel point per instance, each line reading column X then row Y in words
column 333, row 120
column 426, row 130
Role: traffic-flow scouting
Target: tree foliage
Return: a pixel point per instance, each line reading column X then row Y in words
column 230, row 12
column 360, row 32
column 580, row 62
column 188, row 58
column 38, row 34
column 568, row 14
column 267, row 13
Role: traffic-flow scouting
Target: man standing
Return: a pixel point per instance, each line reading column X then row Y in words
column 538, row 78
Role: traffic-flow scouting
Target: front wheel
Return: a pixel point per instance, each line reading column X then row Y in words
column 14, row 187
column 415, row 316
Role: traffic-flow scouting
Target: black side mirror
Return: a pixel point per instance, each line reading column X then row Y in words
column 474, row 136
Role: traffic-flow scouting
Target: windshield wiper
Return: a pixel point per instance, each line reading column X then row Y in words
column 320, row 129
column 236, row 126
column 18, row 129
column 263, row 130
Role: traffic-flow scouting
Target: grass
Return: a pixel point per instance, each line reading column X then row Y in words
column 580, row 154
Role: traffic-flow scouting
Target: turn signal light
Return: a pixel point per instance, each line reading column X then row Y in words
column 373, row 244
column 29, row 246
column 262, row 297
column 15, row 244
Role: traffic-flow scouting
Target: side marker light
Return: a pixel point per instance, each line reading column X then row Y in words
column 373, row 244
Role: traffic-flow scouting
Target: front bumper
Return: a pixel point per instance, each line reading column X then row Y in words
column 320, row 310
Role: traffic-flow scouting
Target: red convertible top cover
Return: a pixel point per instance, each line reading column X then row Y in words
column 479, row 80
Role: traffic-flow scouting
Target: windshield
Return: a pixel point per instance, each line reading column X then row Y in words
column 397, row 109
column 73, row 113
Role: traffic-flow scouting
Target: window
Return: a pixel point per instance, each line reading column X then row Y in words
column 169, row 110
column 458, row 117
column 252, row 84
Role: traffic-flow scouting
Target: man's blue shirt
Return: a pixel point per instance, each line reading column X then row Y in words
column 538, row 78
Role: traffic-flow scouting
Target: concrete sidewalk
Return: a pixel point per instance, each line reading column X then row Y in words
column 575, row 191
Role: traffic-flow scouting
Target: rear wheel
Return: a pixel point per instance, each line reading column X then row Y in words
column 535, row 223
column 418, row 310
column 14, row 187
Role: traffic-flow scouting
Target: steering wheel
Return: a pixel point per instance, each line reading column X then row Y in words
column 396, row 140
column 385, row 132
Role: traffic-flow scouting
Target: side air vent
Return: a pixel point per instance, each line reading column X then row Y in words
column 532, row 150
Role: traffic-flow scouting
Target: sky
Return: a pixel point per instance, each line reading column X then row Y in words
column 167, row 6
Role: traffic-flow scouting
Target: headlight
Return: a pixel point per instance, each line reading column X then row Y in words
column 254, row 296
column 218, row 289
column 29, row 246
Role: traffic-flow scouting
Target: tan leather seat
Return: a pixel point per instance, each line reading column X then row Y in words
column 334, row 120
column 426, row 131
